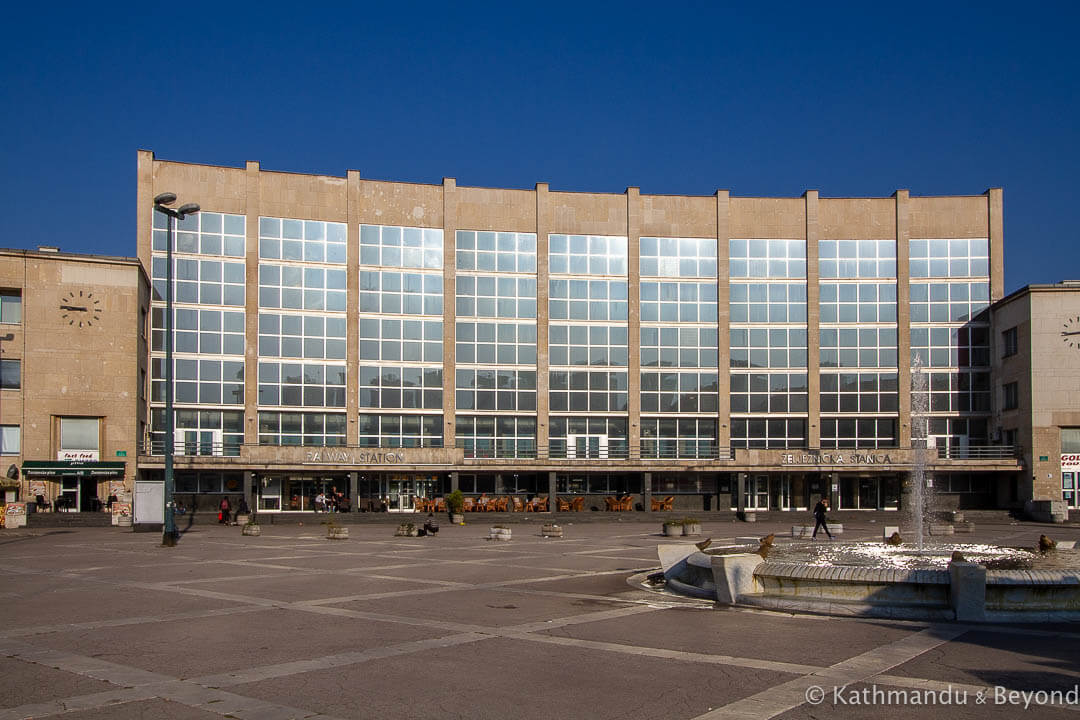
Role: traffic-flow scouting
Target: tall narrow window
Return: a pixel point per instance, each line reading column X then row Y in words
column 9, row 374
column 79, row 438
column 10, row 439
column 1009, row 344
column 1010, row 396
column 10, row 306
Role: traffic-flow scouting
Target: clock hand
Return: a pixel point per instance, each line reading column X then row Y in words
column 1077, row 332
column 75, row 308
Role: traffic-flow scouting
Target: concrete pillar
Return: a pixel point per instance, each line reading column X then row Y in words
column 551, row 492
column 740, row 500
column 633, row 277
column 903, row 314
column 251, row 493
column 723, row 318
column 646, row 491
column 251, row 304
column 813, row 322
column 454, row 481
column 354, row 491
column 352, row 310
column 449, row 311
column 996, row 235
column 543, row 227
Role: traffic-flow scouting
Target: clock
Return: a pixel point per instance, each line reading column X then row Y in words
column 81, row 308
column 1070, row 333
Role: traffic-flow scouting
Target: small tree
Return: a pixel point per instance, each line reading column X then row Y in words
column 455, row 502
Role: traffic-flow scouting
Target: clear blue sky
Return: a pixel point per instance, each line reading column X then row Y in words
column 941, row 98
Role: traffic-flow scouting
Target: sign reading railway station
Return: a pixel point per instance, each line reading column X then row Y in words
column 837, row 458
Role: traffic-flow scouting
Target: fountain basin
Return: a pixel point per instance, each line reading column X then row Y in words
column 963, row 591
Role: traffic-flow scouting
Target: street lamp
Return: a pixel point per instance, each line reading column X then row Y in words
column 168, row 535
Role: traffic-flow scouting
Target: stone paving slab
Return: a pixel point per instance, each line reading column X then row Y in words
column 24, row 683
column 300, row 587
column 188, row 648
column 498, row 678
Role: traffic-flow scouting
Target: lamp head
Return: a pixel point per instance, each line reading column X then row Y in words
column 188, row 209
column 165, row 198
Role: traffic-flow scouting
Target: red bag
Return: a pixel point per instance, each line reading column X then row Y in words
column 219, row 517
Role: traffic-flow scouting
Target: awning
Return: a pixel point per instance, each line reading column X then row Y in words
column 72, row 468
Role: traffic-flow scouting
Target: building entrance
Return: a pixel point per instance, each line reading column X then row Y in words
column 1070, row 493
column 401, row 491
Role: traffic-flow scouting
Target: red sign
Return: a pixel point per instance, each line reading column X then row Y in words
column 1070, row 461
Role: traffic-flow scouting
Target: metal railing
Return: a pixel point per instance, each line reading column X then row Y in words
column 191, row 448
column 558, row 450
column 979, row 452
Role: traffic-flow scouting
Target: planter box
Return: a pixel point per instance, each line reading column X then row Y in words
column 457, row 519
column 673, row 530
column 404, row 531
column 551, row 530
column 691, row 529
column 340, row 533
column 253, row 530
column 499, row 533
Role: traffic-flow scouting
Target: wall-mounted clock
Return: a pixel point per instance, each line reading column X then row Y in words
column 1070, row 333
column 80, row 308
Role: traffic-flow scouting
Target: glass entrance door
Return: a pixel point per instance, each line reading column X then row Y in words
column 586, row 446
column 868, row 494
column 757, row 492
column 781, row 493
column 69, row 495
column 400, row 493
column 1070, row 493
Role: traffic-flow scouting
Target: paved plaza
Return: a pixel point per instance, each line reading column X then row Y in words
column 102, row 623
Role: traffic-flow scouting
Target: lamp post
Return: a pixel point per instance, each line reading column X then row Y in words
column 168, row 535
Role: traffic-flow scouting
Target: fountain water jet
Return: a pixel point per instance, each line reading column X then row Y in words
column 919, row 491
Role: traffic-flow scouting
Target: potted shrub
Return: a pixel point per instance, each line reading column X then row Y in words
column 691, row 526
column 673, row 528
column 551, row 530
column 406, row 529
column 499, row 532
column 334, row 531
column 251, row 527
column 455, row 504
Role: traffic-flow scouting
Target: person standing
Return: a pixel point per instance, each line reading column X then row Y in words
column 223, row 516
column 819, row 516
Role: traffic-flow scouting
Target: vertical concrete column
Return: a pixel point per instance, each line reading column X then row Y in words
column 633, row 278
column 723, row 317
column 251, row 304
column 552, row 498
column 144, row 211
column 449, row 312
column 646, row 496
column 454, row 484
column 903, row 313
column 740, row 488
column 354, row 490
column 352, row 312
column 251, row 496
column 543, row 227
column 813, row 322
column 996, row 235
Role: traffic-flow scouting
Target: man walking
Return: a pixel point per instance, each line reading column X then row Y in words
column 819, row 516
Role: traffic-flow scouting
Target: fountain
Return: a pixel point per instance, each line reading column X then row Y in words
column 927, row 581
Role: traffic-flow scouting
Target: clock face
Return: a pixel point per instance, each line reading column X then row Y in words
column 80, row 308
column 1070, row 332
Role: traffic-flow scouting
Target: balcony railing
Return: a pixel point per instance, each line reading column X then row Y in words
column 559, row 450
column 192, row 448
column 979, row 452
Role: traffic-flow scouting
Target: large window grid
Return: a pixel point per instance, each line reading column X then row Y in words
column 597, row 300
column 771, row 302
column 768, row 432
column 857, row 258
column 301, row 384
column 846, row 346
column 203, row 233
column 394, row 387
column 204, row 381
column 678, row 438
column 296, row 428
column 861, row 432
column 959, row 347
column 198, row 281
column 756, row 258
column 198, row 331
column 503, row 343
column 198, row 431
column 588, row 437
column 863, row 393
column 405, row 247
column 862, row 302
column 497, row 436
column 396, row 293
column 591, row 345
column 587, row 391
column 394, row 431
column 487, row 296
column 680, row 346
column 587, row 255
column 669, row 302
column 496, row 251
column 492, row 389
column 775, row 392
column 953, row 258
column 302, row 240
column 945, row 302
column 677, row 257
column 958, row 392
column 768, row 347
column 311, row 337
column 679, row 392
column 401, row 340
column 301, row 287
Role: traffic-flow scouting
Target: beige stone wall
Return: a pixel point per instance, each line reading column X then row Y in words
column 68, row 370
column 857, row 218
